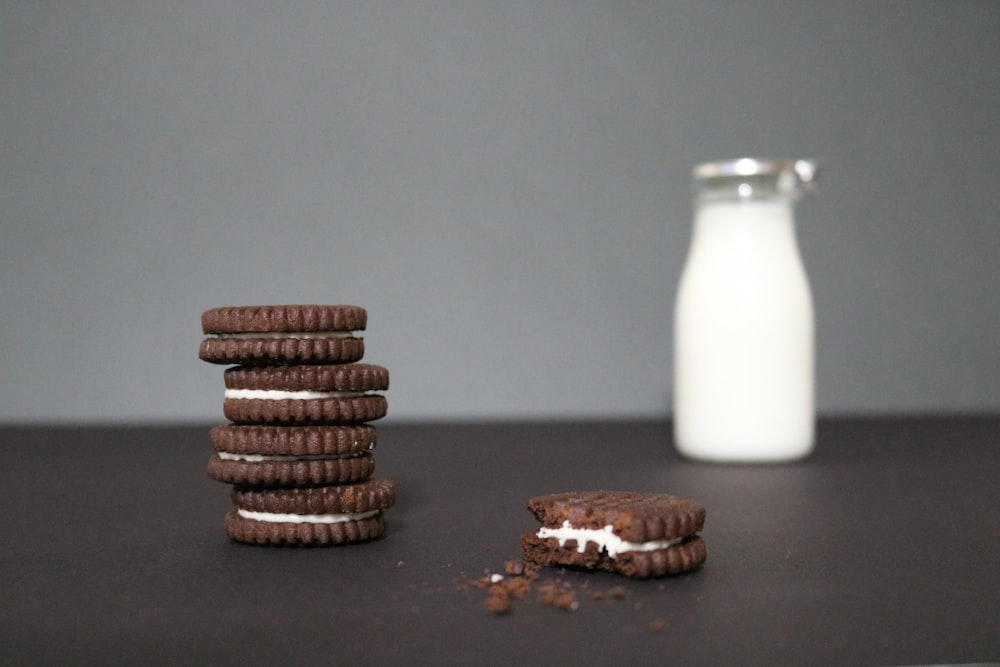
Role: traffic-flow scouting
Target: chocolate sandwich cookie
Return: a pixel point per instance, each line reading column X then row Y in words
column 288, row 395
column 282, row 456
column 295, row 334
column 319, row 515
column 635, row 534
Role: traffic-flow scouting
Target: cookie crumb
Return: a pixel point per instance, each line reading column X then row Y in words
column 657, row 625
column 547, row 592
column 499, row 604
column 521, row 578
column 559, row 595
column 514, row 568
column 567, row 600
column 517, row 587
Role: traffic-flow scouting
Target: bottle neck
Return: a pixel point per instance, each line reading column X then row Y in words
column 748, row 226
column 751, row 213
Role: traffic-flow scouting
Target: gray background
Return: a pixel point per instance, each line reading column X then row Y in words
column 504, row 185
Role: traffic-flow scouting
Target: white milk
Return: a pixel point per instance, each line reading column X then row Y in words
column 744, row 332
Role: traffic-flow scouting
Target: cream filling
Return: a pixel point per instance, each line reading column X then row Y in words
column 603, row 537
column 274, row 517
column 275, row 395
column 260, row 458
column 302, row 335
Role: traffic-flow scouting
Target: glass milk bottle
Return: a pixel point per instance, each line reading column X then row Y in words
column 743, row 321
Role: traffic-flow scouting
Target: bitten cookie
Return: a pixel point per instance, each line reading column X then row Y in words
column 290, row 395
column 313, row 516
column 283, row 335
column 283, row 456
column 634, row 534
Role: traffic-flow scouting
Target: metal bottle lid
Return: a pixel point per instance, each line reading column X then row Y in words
column 746, row 177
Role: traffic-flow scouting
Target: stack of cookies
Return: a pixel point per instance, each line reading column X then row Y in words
column 298, row 448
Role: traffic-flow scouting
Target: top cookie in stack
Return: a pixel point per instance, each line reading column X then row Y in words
column 298, row 403
column 283, row 335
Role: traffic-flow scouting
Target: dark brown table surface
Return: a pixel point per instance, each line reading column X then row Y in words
column 882, row 549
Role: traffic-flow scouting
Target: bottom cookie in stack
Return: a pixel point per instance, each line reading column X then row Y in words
column 312, row 516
